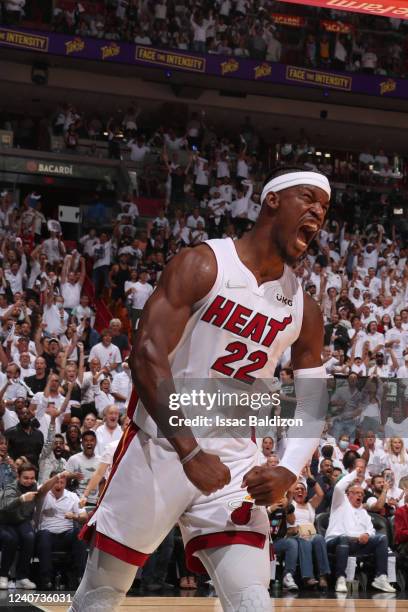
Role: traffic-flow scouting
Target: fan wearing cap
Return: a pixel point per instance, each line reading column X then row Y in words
column 22, row 344
column 220, row 297
column 49, row 349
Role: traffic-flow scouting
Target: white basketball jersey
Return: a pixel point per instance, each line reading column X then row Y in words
column 237, row 332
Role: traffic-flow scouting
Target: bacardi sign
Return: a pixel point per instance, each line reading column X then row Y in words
column 58, row 169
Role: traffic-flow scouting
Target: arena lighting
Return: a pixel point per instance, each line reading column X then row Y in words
column 318, row 153
column 327, row 154
column 119, row 135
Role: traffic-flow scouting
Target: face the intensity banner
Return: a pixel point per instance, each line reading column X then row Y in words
column 385, row 8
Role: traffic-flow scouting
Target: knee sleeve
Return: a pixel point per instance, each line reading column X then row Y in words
column 97, row 600
column 254, row 599
column 240, row 575
column 104, row 584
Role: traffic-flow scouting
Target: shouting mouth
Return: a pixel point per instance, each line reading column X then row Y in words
column 305, row 234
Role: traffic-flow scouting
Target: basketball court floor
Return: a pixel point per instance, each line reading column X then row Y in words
column 206, row 604
column 331, row 602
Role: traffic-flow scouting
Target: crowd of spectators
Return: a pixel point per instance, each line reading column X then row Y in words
column 325, row 38
column 170, row 150
column 65, row 384
column 346, row 505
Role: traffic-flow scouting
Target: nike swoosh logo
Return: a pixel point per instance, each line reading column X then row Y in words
column 231, row 284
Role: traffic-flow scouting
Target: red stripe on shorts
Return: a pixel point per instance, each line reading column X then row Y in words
column 132, row 403
column 215, row 540
column 120, row 551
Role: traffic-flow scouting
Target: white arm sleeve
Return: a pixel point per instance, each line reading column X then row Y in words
column 311, row 410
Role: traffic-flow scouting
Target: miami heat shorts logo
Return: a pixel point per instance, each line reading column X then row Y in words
column 241, row 515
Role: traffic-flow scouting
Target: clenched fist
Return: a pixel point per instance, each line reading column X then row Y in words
column 267, row 485
column 207, row 472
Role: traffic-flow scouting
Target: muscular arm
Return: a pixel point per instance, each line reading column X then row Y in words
column 186, row 279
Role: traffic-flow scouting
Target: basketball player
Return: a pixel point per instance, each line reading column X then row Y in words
column 223, row 309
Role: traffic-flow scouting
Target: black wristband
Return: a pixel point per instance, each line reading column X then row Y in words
column 310, row 482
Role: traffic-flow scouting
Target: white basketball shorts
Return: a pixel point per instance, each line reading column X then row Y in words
column 148, row 493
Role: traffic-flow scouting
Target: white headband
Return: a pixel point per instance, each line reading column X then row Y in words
column 291, row 179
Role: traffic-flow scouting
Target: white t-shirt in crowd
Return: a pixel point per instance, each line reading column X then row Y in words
column 71, row 294
column 192, row 221
column 242, row 168
column 88, row 244
column 102, row 254
column 53, row 511
column 122, row 384
column 344, row 518
column 56, row 324
column 105, row 436
column 102, row 401
column 106, row 354
column 137, row 153
column 15, row 280
column 51, row 248
column 41, row 402
column 222, row 168
column 87, row 466
column 140, row 294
